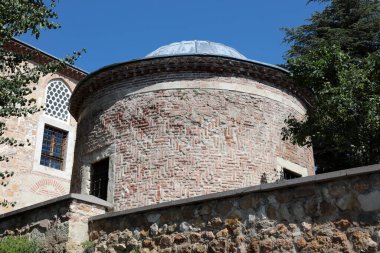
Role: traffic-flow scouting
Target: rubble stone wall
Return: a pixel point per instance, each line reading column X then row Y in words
column 60, row 225
column 334, row 212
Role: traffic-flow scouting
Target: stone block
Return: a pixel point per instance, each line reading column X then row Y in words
column 153, row 217
column 180, row 238
column 327, row 208
column 283, row 213
column 370, row 201
column 199, row 248
column 337, row 189
column 297, row 211
column 217, row 246
column 363, row 242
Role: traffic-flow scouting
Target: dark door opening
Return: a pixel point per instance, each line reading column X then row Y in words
column 99, row 179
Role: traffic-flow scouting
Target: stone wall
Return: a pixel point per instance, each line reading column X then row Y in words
column 60, row 225
column 334, row 212
column 170, row 138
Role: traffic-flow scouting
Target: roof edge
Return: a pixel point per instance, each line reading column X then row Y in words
column 48, row 55
column 107, row 67
column 88, row 84
column 41, row 57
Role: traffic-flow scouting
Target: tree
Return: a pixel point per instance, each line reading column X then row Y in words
column 353, row 25
column 18, row 17
column 337, row 57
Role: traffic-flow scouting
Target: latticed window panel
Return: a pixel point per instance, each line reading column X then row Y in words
column 57, row 100
column 53, row 147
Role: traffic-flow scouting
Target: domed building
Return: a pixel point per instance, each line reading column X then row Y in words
column 191, row 118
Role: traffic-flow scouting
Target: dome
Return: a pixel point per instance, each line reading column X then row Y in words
column 196, row 47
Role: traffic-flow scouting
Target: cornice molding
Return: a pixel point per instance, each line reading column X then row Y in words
column 188, row 65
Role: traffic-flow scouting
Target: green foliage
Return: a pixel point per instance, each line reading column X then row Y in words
column 337, row 56
column 16, row 244
column 3, row 177
column 353, row 25
column 88, row 246
column 18, row 78
column 344, row 124
column 135, row 249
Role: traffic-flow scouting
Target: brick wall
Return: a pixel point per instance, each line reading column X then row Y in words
column 192, row 135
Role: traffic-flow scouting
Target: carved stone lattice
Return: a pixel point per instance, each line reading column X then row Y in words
column 57, row 100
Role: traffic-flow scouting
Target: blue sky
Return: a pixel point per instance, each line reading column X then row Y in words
column 120, row 30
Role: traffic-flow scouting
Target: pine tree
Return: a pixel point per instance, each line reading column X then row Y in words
column 337, row 57
column 353, row 25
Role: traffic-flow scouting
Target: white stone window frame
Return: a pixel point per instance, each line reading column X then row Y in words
column 93, row 157
column 293, row 167
column 45, row 119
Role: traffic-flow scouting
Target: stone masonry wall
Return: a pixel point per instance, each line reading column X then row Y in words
column 185, row 142
column 334, row 212
column 29, row 186
column 60, row 225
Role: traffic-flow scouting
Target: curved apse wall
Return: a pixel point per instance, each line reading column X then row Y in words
column 179, row 135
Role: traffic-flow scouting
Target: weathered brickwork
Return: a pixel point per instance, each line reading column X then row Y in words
column 185, row 138
column 334, row 212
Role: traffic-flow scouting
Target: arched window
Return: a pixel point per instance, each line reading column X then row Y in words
column 57, row 100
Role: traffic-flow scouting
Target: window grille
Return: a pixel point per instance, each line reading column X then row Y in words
column 57, row 100
column 99, row 179
column 53, row 147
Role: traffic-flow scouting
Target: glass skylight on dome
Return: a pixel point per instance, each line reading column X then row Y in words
column 196, row 47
